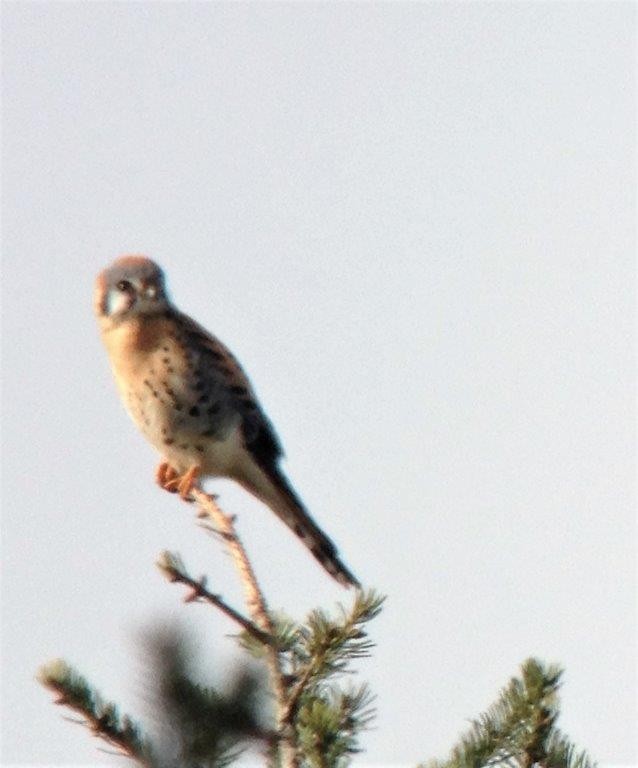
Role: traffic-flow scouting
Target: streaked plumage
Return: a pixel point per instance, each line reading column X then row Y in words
column 193, row 402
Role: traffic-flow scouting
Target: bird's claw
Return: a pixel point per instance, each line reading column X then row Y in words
column 168, row 479
column 165, row 475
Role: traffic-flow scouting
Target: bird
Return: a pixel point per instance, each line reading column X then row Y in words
column 193, row 402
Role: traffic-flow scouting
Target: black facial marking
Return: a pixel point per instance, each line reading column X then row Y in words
column 194, row 411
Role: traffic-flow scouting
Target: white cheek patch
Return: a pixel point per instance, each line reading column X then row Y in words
column 117, row 301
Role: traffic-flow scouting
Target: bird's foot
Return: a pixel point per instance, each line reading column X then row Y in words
column 165, row 475
column 171, row 481
column 186, row 483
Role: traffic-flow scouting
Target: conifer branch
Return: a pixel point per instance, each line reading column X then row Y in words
column 328, row 723
column 173, row 568
column 518, row 731
column 101, row 718
column 256, row 602
column 225, row 527
column 317, row 722
column 325, row 646
column 199, row 725
column 562, row 753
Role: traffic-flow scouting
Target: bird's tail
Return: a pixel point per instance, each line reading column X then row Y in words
column 273, row 489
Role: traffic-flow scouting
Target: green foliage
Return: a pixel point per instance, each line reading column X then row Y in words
column 101, row 716
column 518, row 730
column 325, row 718
column 325, row 646
column 318, row 714
column 328, row 723
column 285, row 635
column 201, row 726
column 562, row 753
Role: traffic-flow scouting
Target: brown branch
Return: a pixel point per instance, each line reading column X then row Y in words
column 257, row 607
column 225, row 527
column 199, row 592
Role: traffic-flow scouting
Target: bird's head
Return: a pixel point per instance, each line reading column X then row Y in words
column 131, row 286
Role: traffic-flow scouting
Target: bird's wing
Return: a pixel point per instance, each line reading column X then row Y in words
column 259, row 434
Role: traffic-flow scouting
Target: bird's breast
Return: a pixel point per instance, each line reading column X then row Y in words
column 131, row 343
column 176, row 398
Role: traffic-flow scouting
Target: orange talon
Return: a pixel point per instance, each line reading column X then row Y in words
column 169, row 479
column 166, row 477
column 186, row 482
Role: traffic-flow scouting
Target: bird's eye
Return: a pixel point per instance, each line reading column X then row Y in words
column 123, row 285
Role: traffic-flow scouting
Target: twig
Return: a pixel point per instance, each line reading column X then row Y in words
column 295, row 696
column 225, row 527
column 99, row 726
column 258, row 609
column 198, row 591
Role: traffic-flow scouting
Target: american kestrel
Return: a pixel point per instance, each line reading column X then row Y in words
column 193, row 402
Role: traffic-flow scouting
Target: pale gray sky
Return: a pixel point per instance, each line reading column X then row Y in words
column 413, row 223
